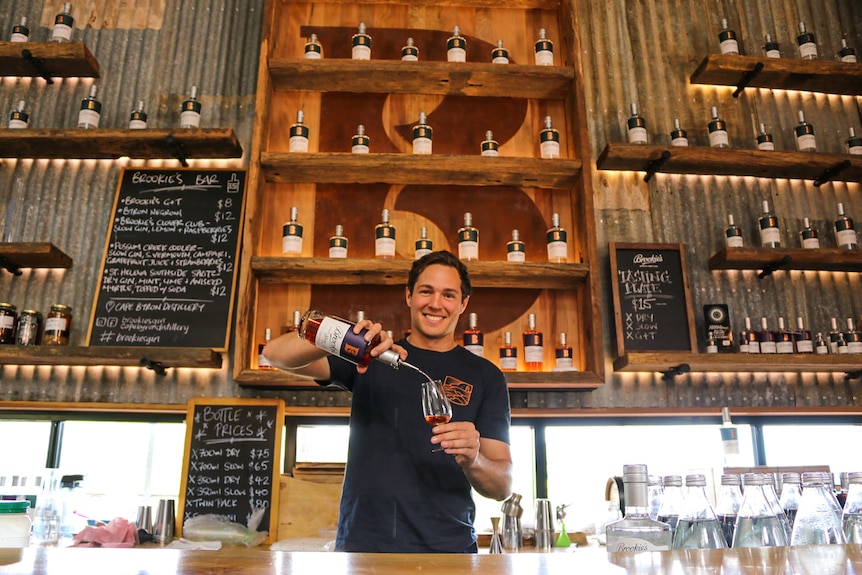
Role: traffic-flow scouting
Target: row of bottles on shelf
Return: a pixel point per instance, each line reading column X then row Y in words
column 456, row 48
column 61, row 31
column 30, row 328
column 806, row 44
column 718, row 137
column 385, row 244
column 809, row 238
column 786, row 340
column 660, row 515
column 423, row 137
column 91, row 113
column 473, row 341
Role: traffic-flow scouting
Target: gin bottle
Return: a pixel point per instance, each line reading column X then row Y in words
column 764, row 139
column 423, row 245
column 474, row 339
column 515, row 248
column 291, row 235
column 338, row 243
column 384, row 237
column 732, row 234
column 808, row 236
column 534, row 350
column 499, row 55
column 636, row 127
column 410, row 52
column 727, row 42
column 361, row 41
column 636, row 532
column 557, row 241
column 845, row 230
column 802, row 338
column 468, row 240
column 771, row 48
column 508, row 354
column 698, row 526
column 678, row 136
column 770, row 234
column 313, row 49
column 846, row 53
column 806, row 43
column 804, row 132
column 717, row 129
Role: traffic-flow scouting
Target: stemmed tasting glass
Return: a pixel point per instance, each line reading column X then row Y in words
column 435, row 405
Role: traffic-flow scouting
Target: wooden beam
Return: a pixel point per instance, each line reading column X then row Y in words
column 56, row 59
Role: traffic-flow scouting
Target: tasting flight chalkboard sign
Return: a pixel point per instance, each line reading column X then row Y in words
column 169, row 269
column 653, row 309
column 232, row 460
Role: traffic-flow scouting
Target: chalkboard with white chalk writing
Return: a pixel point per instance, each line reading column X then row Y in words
column 232, row 460
column 169, row 268
column 653, row 309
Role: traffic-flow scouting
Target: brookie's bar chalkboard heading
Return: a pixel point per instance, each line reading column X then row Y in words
column 652, row 303
column 169, row 269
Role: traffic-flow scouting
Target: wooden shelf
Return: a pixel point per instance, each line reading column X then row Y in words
column 827, row 76
column 517, row 380
column 342, row 168
column 822, row 259
column 490, row 274
column 738, row 362
column 730, row 162
column 57, row 59
column 424, row 77
column 110, row 144
column 33, row 255
column 110, row 356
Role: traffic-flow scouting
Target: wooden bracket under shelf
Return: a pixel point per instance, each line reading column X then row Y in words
column 53, row 59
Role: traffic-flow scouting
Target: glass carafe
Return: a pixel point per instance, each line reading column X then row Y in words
column 852, row 516
column 698, row 526
column 818, row 521
column 757, row 524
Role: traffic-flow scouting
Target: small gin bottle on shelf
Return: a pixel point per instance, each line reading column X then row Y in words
column 384, row 237
column 410, row 52
column 190, row 115
column 841, row 345
column 468, row 240
column 456, row 47
column 262, row 361
column 846, row 53
column 544, row 50
column 770, row 235
column 820, row 345
column 490, row 146
column 845, row 230
column 766, row 338
column 732, row 234
column 499, row 55
column 508, row 354
column 534, row 350
column 805, row 140
column 678, row 136
column 338, row 243
column 298, row 135
column 563, row 358
column 361, row 143
column 808, row 236
column 515, row 248
column 636, row 532
column 291, row 235
column 834, row 335
column 802, row 338
column 727, row 41
column 361, row 44
column 745, row 337
column 853, row 144
column 764, row 139
column 91, row 111
column 19, row 119
column 20, row 32
column 853, row 337
column 718, row 131
column 422, row 136
column 771, row 48
column 557, row 241
column 474, row 339
column 63, row 23
column 138, row 118
column 424, row 246
column 806, row 43
column 549, row 140
column 313, row 49
column 783, row 338
column 636, row 127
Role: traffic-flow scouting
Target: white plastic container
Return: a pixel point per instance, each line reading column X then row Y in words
column 14, row 524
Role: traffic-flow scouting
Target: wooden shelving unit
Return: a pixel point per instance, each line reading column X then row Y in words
column 109, row 356
column 830, row 77
column 55, row 59
column 823, row 259
column 342, row 168
column 738, row 362
column 731, row 162
column 110, row 144
column 33, row 255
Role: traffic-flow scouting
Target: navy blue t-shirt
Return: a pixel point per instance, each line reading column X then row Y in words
column 398, row 496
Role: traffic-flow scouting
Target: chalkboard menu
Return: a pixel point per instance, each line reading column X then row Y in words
column 653, row 309
column 168, row 273
column 232, row 460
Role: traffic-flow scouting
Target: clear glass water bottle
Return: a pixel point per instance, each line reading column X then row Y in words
column 772, row 498
column 757, row 525
column 791, row 491
column 654, row 491
column 818, row 521
column 671, row 501
column 852, row 516
column 698, row 526
column 727, row 507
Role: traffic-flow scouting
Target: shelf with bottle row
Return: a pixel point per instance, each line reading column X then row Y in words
column 423, row 77
column 826, row 76
column 678, row 363
column 51, row 59
column 156, row 358
column 707, row 161
column 755, row 258
column 110, row 144
column 346, row 168
column 17, row 255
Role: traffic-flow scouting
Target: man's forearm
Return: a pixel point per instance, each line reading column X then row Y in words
column 490, row 477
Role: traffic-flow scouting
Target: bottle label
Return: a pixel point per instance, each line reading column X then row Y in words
column 475, row 343
column 338, row 248
column 423, row 248
column 361, row 47
column 805, row 142
column 631, row 544
column 7, row 321
column 336, row 336
column 810, row 243
column 88, row 118
column 421, row 145
column 847, row 236
column 753, row 347
column 718, row 136
column 768, row 347
column 515, row 252
column 637, row 135
column 468, row 245
column 855, row 150
column 410, row 54
column 137, row 124
column 500, row 56
column 763, row 144
column 544, row 53
column 770, row 236
column 773, row 53
column 533, row 348
column 490, row 148
column 384, row 241
column 508, row 358
column 313, row 51
column 808, row 49
column 854, row 347
column 18, row 36
column 360, row 145
column 734, row 241
column 62, row 27
column 743, row 345
column 805, row 346
column 680, row 142
column 190, row 119
column 784, row 347
column 550, row 149
column 55, row 324
column 563, row 358
column 821, row 349
column 17, row 124
column 456, row 49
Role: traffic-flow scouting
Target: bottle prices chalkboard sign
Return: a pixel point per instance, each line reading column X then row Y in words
column 232, row 460
column 653, row 309
column 169, row 268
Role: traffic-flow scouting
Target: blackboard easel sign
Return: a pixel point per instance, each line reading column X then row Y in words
column 652, row 301
column 232, row 460
column 169, row 269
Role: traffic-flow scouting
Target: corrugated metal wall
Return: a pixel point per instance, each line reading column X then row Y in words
column 634, row 51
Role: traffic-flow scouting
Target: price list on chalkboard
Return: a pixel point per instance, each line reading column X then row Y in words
column 231, row 463
column 169, row 268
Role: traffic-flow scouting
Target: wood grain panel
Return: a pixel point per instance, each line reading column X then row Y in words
column 57, row 59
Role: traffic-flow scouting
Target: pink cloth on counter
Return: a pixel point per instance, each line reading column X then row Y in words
column 119, row 532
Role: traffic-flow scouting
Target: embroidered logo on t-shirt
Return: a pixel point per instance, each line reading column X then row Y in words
column 458, row 392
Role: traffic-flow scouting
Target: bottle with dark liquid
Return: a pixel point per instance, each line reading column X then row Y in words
column 727, row 508
column 474, row 339
column 783, row 338
column 508, row 354
column 335, row 335
column 671, row 501
column 834, row 336
column 766, row 338
column 534, row 350
column 802, row 338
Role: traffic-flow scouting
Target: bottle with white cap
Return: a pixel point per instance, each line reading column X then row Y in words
column 718, row 131
column 20, row 32
column 727, row 42
column 298, row 135
column 63, row 23
column 138, row 118
column 544, row 50
column 361, row 49
column 190, row 115
column 499, row 55
column 549, row 140
column 91, row 110
column 806, row 43
column 456, row 47
column 636, row 127
column 19, row 119
column 805, row 140
column 845, row 230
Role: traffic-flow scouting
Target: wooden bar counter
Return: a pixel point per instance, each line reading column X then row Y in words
column 822, row 559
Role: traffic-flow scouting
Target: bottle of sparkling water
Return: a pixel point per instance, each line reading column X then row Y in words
column 698, row 526
column 757, row 524
column 818, row 521
column 727, row 508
